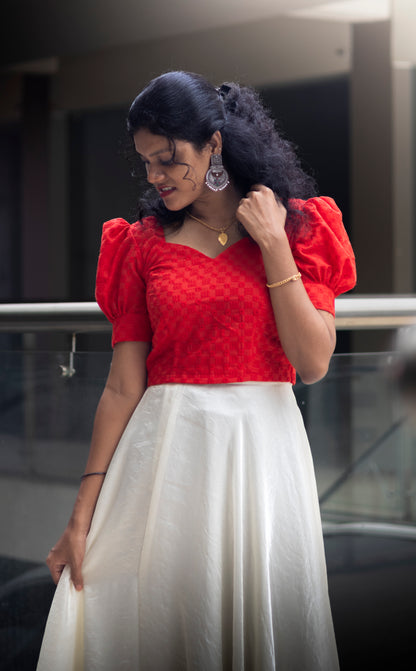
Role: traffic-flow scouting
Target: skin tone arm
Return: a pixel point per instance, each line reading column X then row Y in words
column 124, row 388
column 307, row 335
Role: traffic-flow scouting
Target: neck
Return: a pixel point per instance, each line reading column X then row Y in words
column 218, row 207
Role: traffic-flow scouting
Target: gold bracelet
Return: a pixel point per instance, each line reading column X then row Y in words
column 292, row 278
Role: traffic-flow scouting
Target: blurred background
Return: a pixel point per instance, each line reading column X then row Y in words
column 340, row 79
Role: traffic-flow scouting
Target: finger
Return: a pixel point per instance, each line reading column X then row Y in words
column 52, row 567
column 76, row 577
column 254, row 191
column 259, row 187
column 56, row 571
column 242, row 209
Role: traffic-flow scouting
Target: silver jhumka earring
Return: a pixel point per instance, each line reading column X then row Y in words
column 217, row 178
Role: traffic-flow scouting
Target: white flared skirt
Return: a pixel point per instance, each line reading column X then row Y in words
column 205, row 551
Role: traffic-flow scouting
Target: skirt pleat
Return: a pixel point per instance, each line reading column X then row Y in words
column 205, row 551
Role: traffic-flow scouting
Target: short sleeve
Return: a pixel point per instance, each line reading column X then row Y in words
column 120, row 287
column 323, row 253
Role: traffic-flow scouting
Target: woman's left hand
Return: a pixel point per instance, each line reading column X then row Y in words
column 262, row 215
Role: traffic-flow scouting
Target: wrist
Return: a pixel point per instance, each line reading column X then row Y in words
column 277, row 255
column 78, row 526
column 274, row 244
column 83, row 511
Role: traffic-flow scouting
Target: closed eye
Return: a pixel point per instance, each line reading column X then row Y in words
column 164, row 163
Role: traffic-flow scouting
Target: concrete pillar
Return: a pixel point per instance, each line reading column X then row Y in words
column 371, row 152
column 404, row 175
column 403, row 53
column 371, row 169
column 44, row 206
column 35, row 283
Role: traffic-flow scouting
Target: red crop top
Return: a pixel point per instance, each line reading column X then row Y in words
column 211, row 320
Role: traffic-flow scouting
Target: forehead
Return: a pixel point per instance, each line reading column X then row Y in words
column 147, row 143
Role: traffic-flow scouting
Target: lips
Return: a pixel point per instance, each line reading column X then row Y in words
column 165, row 191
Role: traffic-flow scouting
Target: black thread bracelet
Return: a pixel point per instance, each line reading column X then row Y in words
column 87, row 475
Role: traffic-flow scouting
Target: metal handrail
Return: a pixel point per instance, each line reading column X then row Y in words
column 352, row 312
column 58, row 317
column 375, row 312
column 383, row 529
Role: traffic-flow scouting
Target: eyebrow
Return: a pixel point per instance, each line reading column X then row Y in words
column 155, row 153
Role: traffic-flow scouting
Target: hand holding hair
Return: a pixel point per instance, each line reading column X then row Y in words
column 262, row 215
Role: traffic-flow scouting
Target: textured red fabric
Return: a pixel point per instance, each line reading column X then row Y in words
column 209, row 320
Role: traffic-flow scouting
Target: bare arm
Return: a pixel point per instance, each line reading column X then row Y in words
column 307, row 334
column 126, row 384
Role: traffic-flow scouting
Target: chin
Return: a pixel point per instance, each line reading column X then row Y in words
column 174, row 208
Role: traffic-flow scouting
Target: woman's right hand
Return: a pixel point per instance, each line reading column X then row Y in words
column 69, row 550
column 125, row 386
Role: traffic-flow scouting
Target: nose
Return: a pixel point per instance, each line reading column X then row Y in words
column 155, row 174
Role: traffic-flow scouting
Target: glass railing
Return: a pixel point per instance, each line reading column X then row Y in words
column 363, row 444
column 362, row 441
column 47, row 402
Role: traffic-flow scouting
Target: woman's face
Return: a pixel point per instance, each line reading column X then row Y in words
column 176, row 170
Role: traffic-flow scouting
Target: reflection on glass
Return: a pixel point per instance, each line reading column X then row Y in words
column 363, row 449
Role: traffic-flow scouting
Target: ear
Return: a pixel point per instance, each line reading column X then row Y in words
column 215, row 143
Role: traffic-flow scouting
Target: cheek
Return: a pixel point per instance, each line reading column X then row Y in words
column 189, row 177
column 200, row 172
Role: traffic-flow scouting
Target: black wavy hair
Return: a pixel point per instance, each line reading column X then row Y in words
column 185, row 106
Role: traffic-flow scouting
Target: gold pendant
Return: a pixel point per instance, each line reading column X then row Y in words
column 223, row 238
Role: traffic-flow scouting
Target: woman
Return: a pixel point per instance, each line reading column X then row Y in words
column 195, row 541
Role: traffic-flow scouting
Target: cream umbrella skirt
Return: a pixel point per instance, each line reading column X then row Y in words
column 205, row 552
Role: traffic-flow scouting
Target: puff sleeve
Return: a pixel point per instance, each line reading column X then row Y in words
column 323, row 253
column 120, row 287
